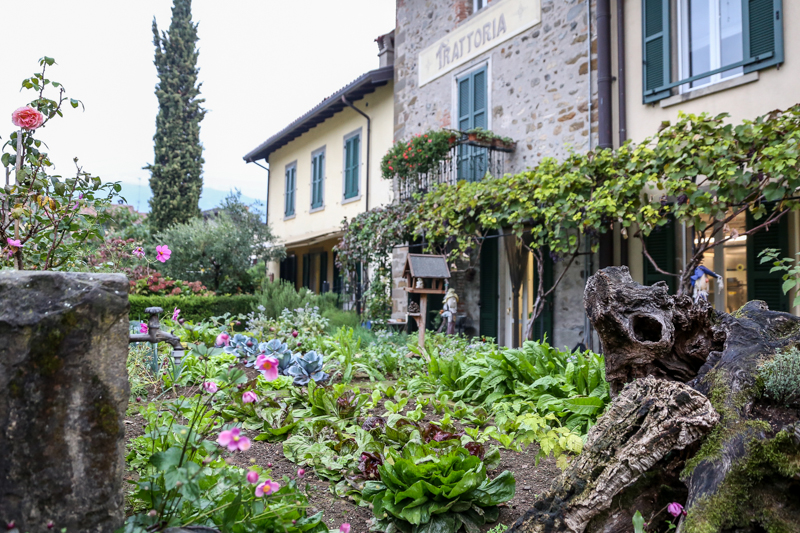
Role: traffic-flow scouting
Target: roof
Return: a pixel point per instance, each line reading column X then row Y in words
column 428, row 266
column 356, row 90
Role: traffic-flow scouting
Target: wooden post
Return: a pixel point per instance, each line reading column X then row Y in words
column 423, row 314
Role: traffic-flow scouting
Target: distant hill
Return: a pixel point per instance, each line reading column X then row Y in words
column 139, row 197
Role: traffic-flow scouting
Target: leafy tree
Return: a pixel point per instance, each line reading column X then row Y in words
column 176, row 179
column 220, row 249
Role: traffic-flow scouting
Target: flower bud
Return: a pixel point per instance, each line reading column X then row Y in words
column 138, row 398
column 153, row 513
column 50, row 524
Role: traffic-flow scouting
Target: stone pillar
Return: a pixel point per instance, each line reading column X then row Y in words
column 63, row 395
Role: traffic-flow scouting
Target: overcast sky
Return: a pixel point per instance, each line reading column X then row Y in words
column 263, row 63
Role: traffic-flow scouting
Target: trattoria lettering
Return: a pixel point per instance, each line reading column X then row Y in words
column 474, row 40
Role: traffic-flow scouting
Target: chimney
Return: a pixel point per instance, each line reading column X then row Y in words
column 386, row 49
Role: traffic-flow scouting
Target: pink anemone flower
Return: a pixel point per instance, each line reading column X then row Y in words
column 675, row 509
column 268, row 366
column 249, row 397
column 175, row 314
column 163, row 253
column 210, row 387
column 223, row 339
column 138, row 252
column 234, row 440
column 344, row 528
column 252, row 477
column 143, row 328
column 14, row 242
column 267, row 488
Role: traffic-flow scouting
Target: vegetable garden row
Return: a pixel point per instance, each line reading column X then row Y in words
column 339, row 402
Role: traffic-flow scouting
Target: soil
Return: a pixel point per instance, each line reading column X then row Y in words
column 532, row 480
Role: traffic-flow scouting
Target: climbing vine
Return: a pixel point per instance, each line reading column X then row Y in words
column 419, row 155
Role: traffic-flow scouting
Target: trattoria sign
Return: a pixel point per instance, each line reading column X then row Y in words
column 502, row 20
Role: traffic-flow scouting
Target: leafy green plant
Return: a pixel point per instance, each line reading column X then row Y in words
column 780, row 377
column 419, row 155
column 791, row 269
column 436, row 487
column 395, row 408
column 638, row 522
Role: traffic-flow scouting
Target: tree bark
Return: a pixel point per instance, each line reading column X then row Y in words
column 688, row 424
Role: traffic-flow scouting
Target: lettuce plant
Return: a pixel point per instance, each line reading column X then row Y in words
column 436, row 487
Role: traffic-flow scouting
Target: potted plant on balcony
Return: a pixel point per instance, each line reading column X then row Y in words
column 504, row 143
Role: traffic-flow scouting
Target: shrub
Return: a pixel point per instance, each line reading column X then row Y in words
column 338, row 318
column 781, row 377
column 194, row 308
column 275, row 296
column 155, row 284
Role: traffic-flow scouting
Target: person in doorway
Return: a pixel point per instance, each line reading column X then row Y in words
column 700, row 283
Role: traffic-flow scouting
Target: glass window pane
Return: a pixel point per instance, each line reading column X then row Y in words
column 700, row 33
column 730, row 29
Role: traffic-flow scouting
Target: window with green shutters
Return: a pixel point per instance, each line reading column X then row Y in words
column 291, row 188
column 317, row 178
column 472, row 113
column 352, row 163
column 718, row 39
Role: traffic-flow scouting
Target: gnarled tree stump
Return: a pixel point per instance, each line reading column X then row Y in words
column 742, row 476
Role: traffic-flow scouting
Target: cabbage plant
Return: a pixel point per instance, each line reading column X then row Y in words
column 307, row 367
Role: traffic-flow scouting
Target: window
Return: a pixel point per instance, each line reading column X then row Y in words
column 710, row 38
column 472, row 113
column 717, row 39
column 291, row 186
column 352, row 163
column 317, row 178
column 478, row 4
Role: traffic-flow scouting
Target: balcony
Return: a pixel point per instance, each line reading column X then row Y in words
column 469, row 160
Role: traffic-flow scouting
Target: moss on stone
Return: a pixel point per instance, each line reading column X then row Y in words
column 744, row 496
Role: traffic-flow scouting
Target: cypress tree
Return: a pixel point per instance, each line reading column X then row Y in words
column 175, row 178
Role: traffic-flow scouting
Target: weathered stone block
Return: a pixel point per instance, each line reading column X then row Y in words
column 63, row 349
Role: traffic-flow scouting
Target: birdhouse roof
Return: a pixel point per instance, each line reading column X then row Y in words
column 427, row 266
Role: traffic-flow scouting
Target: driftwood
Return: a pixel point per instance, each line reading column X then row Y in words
column 734, row 466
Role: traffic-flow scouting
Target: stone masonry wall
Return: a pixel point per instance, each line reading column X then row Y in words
column 539, row 96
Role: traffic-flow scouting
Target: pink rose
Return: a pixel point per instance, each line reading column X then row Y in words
column 27, row 118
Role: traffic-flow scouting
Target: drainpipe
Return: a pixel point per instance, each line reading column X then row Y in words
column 589, row 70
column 623, row 113
column 357, row 110
column 266, row 207
column 604, row 78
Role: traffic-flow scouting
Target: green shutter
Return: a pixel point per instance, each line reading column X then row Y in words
column 656, row 71
column 323, row 269
column 763, row 32
column 489, row 295
column 307, row 270
column 761, row 283
column 351, row 163
column 317, row 175
column 289, row 195
column 661, row 247
column 472, row 113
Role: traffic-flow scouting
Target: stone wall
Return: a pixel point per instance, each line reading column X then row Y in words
column 539, row 96
column 63, row 352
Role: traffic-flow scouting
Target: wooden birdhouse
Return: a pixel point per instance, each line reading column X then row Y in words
column 425, row 274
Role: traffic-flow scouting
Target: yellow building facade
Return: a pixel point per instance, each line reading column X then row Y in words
column 325, row 167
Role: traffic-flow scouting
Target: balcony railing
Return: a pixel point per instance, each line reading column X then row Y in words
column 467, row 160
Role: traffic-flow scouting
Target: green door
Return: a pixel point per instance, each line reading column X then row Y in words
column 761, row 284
column 489, row 294
column 661, row 247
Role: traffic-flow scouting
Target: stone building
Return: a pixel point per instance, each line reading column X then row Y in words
column 524, row 69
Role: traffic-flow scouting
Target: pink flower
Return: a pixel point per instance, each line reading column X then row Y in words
column 675, row 509
column 138, row 252
column 267, row 488
column 344, row 528
column 143, row 328
column 27, row 118
column 210, row 387
column 234, row 440
column 222, row 339
column 252, row 477
column 175, row 314
column 249, row 397
column 163, row 253
column 268, row 366
column 15, row 243
column 301, row 472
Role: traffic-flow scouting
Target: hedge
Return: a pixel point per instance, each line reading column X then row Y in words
column 194, row 308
